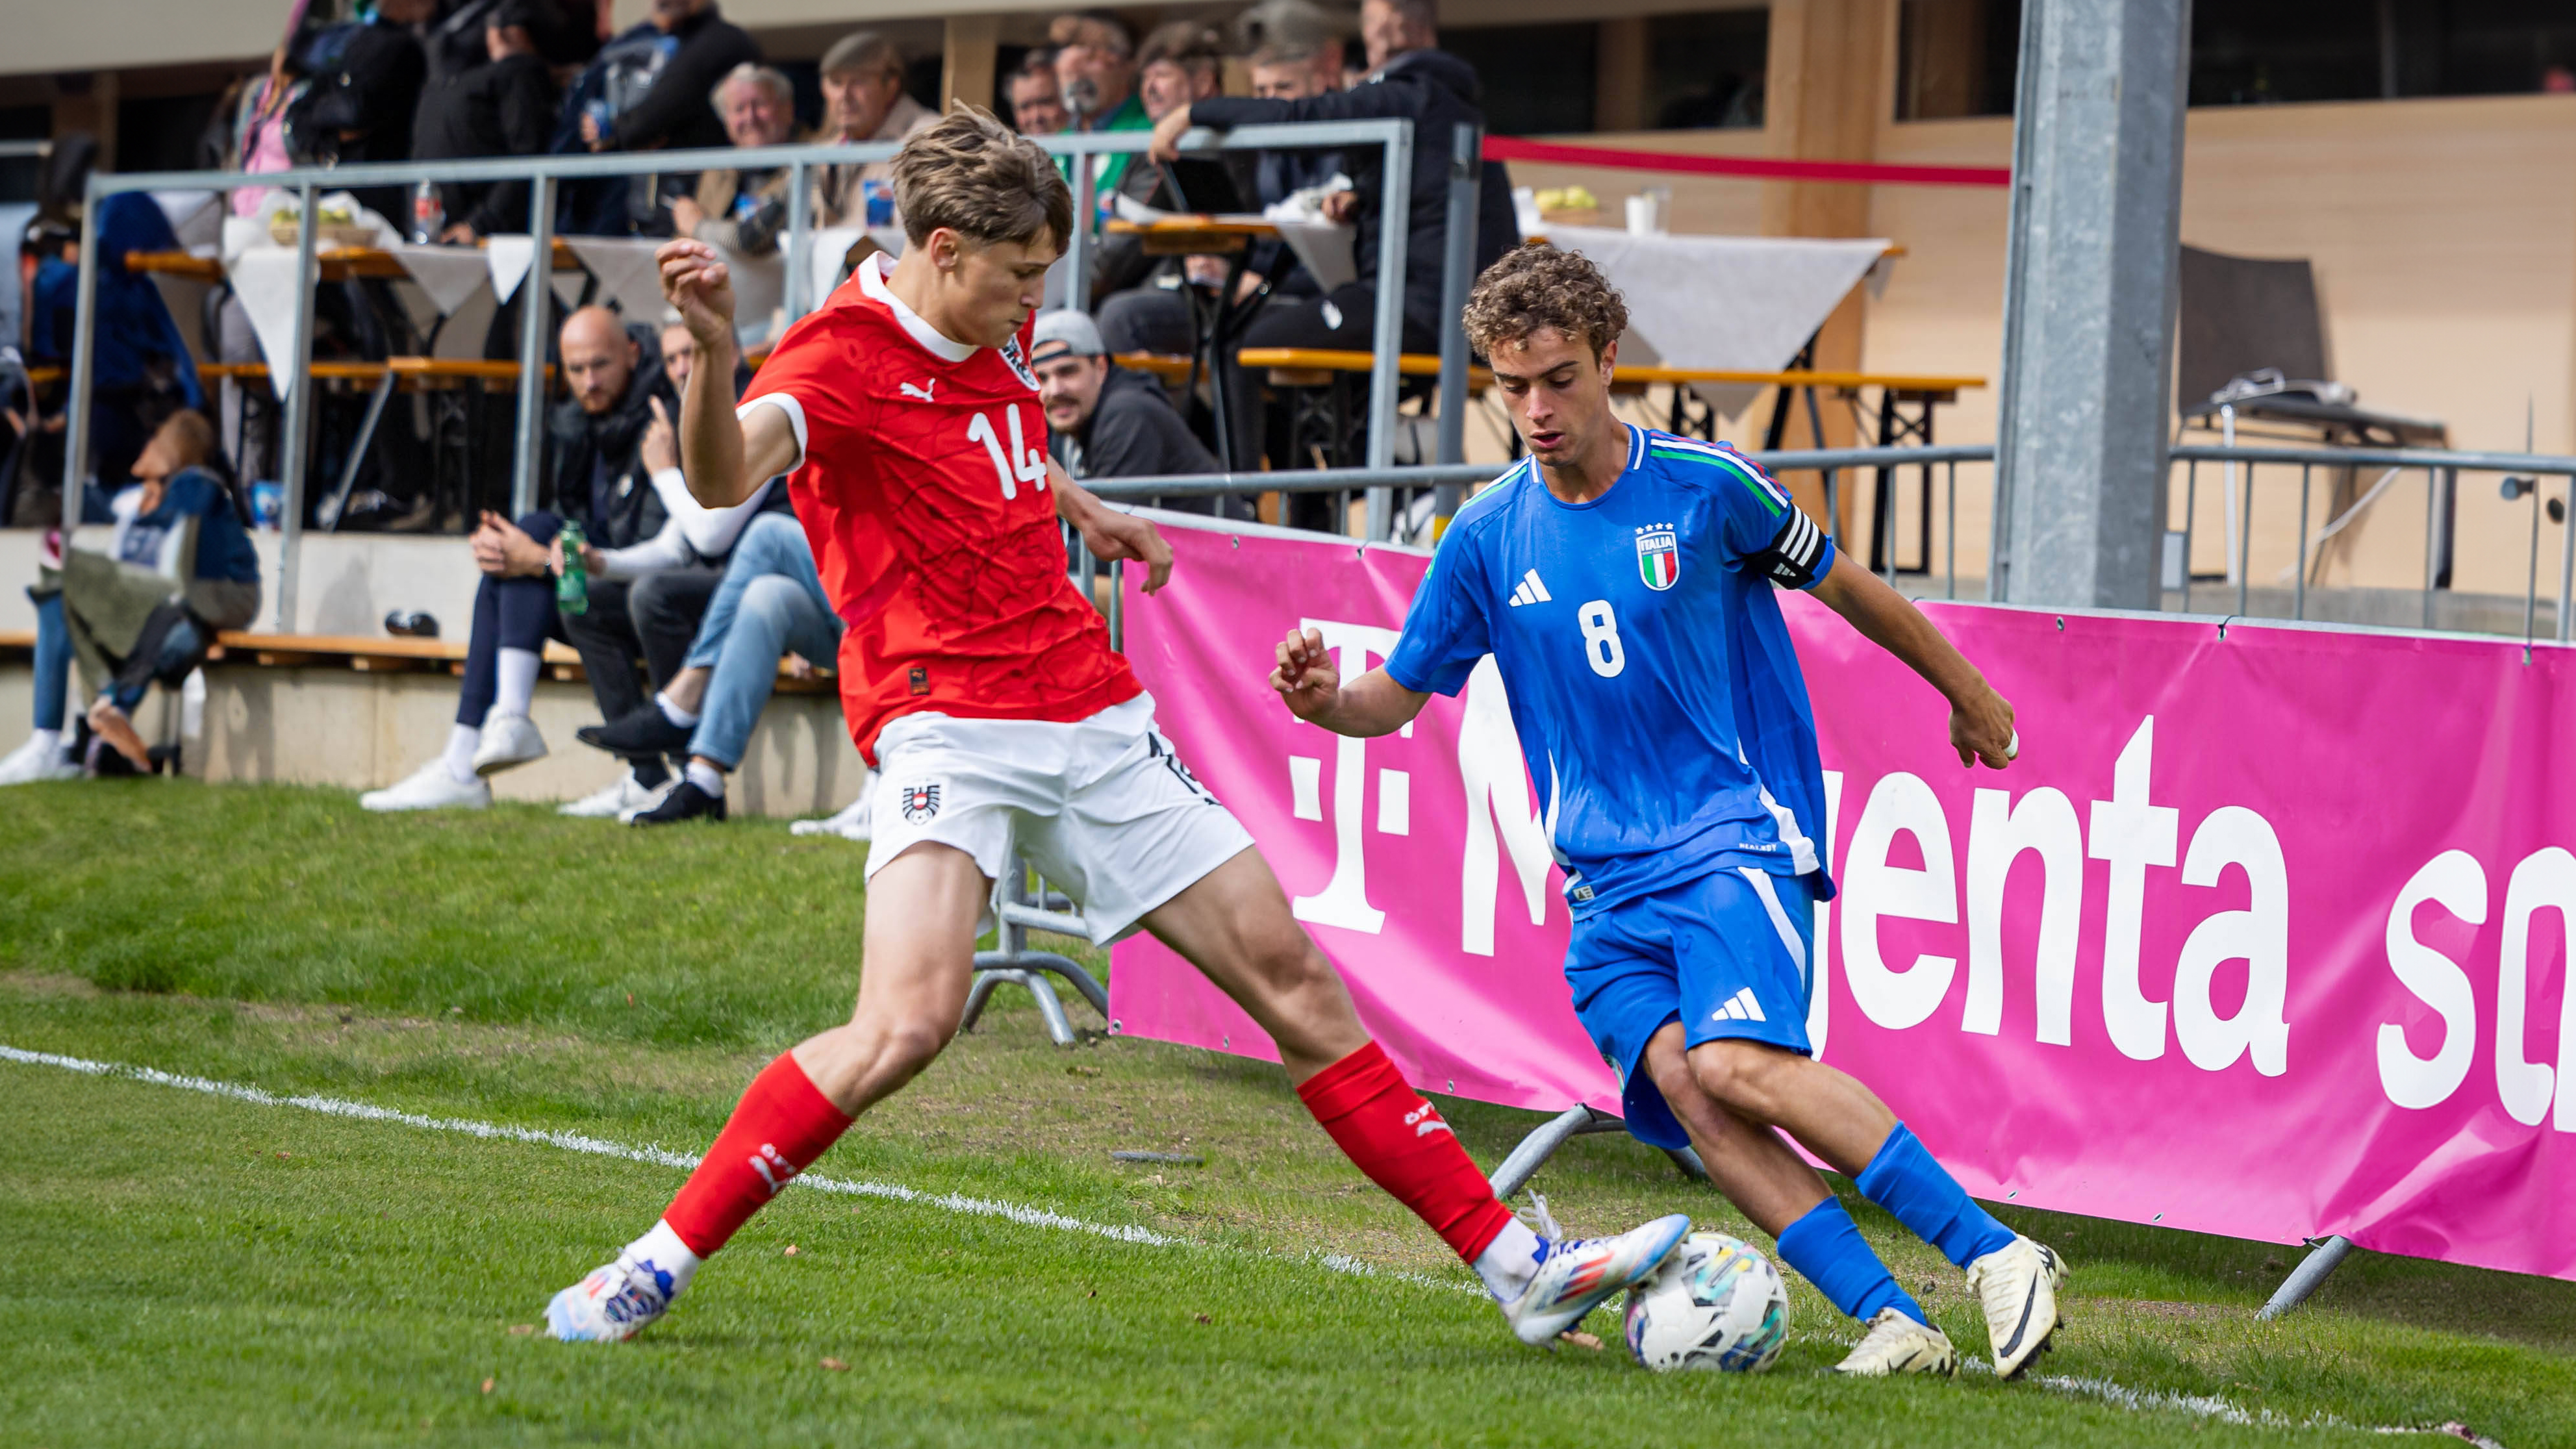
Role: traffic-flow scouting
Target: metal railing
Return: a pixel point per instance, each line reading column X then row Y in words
column 544, row 173
column 1937, row 470
column 2237, row 468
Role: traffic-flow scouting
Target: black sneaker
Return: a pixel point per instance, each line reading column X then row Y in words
column 685, row 802
column 637, row 734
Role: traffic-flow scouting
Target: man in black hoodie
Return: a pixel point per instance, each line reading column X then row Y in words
column 1407, row 78
column 502, row 106
column 606, row 444
column 701, row 47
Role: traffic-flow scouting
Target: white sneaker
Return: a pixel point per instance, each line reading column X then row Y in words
column 623, row 797
column 40, row 758
column 2018, row 1284
column 1897, row 1344
column 430, row 787
column 1580, row 1274
column 851, row 824
column 508, row 740
column 617, row 1301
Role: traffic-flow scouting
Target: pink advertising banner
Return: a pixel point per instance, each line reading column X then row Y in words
column 2265, row 934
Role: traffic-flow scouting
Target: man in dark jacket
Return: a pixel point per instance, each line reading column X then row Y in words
column 1436, row 91
column 605, row 445
column 700, row 48
column 504, row 105
column 1104, row 421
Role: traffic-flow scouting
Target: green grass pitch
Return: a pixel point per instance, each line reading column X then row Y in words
column 185, row 1268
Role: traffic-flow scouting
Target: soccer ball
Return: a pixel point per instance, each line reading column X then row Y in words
column 1714, row 1304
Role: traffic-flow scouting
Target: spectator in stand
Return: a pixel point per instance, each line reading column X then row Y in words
column 1181, row 62
column 367, row 78
column 656, row 557
column 503, row 107
column 178, row 568
column 771, row 604
column 863, row 100
column 141, row 369
column 744, row 211
column 1407, row 78
column 1286, row 71
column 699, row 48
column 1300, row 27
column 1104, row 421
column 1095, row 71
column 1037, row 98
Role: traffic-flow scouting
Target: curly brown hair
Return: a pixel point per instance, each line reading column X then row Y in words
column 979, row 178
column 1537, row 286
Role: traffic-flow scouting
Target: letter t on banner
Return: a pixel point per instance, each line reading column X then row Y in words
column 2131, row 834
column 1344, row 899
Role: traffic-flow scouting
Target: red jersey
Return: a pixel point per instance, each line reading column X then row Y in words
column 921, row 481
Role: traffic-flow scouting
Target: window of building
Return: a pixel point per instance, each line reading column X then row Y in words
column 1956, row 57
column 1706, row 70
column 1538, row 79
column 19, row 175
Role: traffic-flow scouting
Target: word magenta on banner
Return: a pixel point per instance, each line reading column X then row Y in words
column 2265, row 934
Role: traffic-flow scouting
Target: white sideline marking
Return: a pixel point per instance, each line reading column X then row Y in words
column 577, row 1142
column 2108, row 1391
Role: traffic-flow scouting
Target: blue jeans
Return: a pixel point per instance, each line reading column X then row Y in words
column 769, row 603
column 53, row 662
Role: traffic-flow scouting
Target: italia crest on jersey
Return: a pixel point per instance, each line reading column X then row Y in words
column 1659, row 557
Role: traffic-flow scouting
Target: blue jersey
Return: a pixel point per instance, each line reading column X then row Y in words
column 1658, row 701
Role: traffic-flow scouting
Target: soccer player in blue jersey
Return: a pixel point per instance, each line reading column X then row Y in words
column 1622, row 579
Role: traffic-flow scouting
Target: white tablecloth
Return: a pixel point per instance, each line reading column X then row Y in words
column 1741, row 303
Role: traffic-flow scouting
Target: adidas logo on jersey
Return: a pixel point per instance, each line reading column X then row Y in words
column 1740, row 1007
column 1529, row 591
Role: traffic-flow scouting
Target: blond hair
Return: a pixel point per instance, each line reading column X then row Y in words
column 970, row 174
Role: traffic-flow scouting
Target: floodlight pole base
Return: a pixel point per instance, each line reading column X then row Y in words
column 2304, row 1279
column 1014, row 964
column 1534, row 1150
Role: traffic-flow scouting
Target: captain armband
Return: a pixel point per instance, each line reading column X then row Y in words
column 1795, row 551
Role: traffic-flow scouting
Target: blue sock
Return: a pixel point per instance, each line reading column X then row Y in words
column 1923, row 1195
column 1827, row 1246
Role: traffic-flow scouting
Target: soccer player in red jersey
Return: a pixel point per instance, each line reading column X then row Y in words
column 981, row 684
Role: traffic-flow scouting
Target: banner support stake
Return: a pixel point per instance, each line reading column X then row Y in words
column 2303, row 1279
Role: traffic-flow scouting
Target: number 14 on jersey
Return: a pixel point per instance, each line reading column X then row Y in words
column 1022, row 464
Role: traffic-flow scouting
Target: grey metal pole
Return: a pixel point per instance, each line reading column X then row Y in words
column 2305, row 1278
column 1466, row 155
column 1393, row 214
column 800, row 244
column 84, row 364
column 536, row 306
column 2567, row 561
column 2299, row 601
column 299, row 409
column 2089, row 300
column 1078, row 255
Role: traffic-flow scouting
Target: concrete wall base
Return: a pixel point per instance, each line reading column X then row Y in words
column 359, row 730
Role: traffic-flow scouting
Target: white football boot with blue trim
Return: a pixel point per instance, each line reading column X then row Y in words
column 1577, row 1275
column 617, row 1301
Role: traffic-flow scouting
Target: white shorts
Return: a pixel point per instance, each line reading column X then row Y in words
column 1103, row 807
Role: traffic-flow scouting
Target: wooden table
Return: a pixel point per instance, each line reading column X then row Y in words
column 1330, row 371
column 1215, row 321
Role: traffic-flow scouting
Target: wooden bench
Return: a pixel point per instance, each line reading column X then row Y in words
column 386, row 655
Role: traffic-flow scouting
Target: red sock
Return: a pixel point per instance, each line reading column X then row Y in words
column 1399, row 1140
column 782, row 1124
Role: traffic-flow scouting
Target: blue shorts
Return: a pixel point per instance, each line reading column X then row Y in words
column 1726, row 954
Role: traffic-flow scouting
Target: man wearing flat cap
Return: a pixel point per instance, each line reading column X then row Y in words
column 863, row 100
column 1107, row 421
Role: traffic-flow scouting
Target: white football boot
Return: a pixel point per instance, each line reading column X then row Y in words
column 851, row 824
column 40, row 758
column 1897, row 1344
column 622, row 797
column 1578, row 1275
column 430, row 787
column 508, row 740
column 617, row 1301
column 2018, row 1284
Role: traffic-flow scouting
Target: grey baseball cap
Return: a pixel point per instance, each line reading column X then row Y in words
column 1065, row 331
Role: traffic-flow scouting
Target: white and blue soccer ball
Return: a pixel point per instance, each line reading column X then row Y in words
column 1714, row 1304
